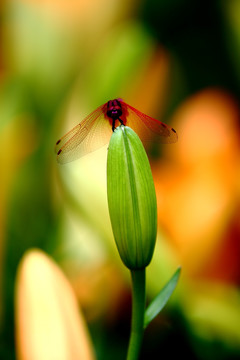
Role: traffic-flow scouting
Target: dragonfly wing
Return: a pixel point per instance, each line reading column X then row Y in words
column 89, row 135
column 148, row 128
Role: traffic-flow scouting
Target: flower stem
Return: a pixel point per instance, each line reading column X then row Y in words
column 138, row 308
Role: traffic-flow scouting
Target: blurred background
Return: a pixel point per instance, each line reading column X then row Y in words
column 177, row 61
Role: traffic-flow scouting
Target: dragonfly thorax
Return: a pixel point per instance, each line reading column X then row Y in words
column 114, row 109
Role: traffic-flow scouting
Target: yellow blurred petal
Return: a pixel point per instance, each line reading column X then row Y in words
column 48, row 323
column 93, row 14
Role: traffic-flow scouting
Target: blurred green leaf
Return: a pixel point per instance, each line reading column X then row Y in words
column 121, row 54
column 12, row 101
column 44, row 54
column 212, row 310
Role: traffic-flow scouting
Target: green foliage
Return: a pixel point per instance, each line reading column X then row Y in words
column 161, row 299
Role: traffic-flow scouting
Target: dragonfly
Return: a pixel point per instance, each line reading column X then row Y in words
column 96, row 129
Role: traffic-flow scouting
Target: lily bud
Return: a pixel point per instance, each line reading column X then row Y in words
column 131, row 198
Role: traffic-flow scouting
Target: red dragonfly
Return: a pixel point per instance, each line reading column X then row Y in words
column 96, row 129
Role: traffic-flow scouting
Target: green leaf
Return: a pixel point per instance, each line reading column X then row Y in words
column 161, row 299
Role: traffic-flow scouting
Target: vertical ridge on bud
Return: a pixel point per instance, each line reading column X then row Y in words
column 131, row 198
column 133, row 193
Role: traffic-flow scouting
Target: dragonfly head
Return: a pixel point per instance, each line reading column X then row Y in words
column 114, row 109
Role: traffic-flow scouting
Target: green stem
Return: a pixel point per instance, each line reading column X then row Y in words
column 138, row 308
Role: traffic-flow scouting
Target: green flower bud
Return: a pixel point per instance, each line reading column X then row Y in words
column 131, row 198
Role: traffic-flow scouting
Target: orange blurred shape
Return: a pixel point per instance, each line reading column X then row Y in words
column 208, row 127
column 149, row 90
column 48, row 322
column 198, row 190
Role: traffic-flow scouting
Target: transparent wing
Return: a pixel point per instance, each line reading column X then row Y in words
column 89, row 135
column 148, row 128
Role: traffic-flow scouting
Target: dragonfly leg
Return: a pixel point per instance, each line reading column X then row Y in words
column 121, row 122
column 113, row 125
